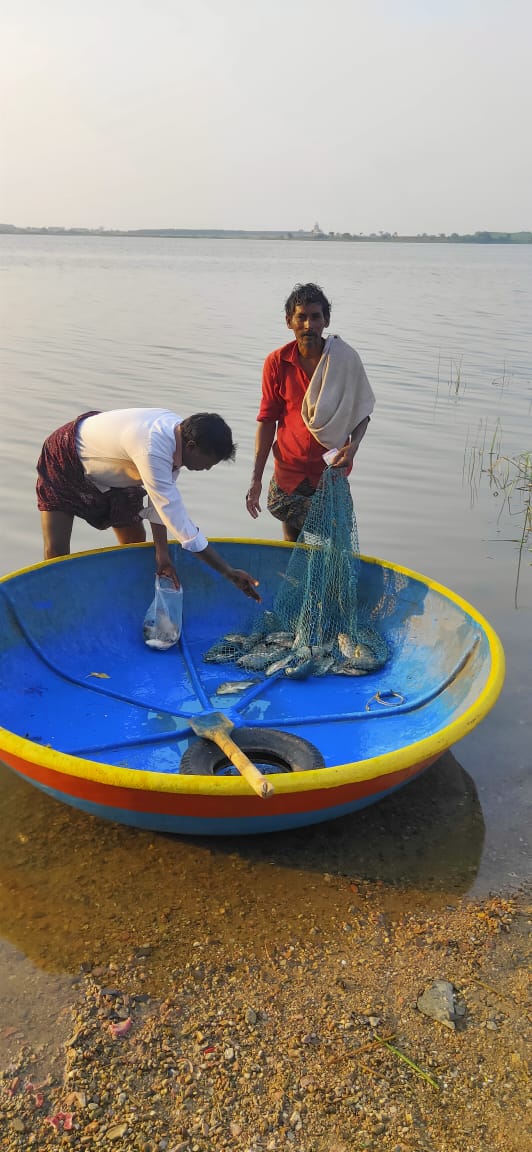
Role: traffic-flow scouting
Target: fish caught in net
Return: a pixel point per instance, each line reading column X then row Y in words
column 317, row 625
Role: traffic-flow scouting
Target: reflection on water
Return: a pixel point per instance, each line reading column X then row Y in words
column 77, row 890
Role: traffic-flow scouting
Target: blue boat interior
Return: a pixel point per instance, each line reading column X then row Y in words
column 76, row 674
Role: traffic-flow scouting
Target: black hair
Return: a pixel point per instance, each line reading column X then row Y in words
column 308, row 294
column 209, row 432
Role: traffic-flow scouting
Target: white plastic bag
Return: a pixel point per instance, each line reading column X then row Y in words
column 163, row 620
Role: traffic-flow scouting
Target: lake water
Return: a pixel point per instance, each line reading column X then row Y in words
column 446, row 339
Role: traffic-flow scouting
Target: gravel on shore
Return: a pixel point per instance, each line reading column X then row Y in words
column 311, row 1041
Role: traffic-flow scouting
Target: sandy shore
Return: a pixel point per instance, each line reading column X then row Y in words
column 304, row 1038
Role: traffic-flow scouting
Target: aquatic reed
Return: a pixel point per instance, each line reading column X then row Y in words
column 510, row 477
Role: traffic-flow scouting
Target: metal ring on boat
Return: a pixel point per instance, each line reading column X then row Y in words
column 379, row 699
column 272, row 751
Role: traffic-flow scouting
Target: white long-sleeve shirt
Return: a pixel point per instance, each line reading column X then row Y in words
column 137, row 446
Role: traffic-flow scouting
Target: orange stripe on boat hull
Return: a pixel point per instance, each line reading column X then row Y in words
column 186, row 805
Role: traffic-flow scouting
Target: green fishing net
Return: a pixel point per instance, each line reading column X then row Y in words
column 317, row 625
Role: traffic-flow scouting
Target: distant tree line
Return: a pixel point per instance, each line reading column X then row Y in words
column 433, row 238
column 483, row 237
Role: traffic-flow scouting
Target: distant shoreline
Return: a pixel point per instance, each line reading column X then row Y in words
column 236, row 234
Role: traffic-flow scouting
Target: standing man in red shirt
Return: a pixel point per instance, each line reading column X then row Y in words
column 315, row 396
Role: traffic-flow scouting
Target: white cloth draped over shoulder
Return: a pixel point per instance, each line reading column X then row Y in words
column 339, row 395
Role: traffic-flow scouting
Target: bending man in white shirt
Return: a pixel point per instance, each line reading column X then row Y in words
column 100, row 467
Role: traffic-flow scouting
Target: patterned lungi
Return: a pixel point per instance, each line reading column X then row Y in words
column 62, row 485
column 290, row 507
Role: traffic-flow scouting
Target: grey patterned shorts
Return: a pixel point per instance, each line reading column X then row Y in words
column 290, row 507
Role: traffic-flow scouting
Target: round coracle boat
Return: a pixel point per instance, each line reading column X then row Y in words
column 95, row 717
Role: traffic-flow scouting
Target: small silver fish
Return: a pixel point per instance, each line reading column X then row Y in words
column 220, row 653
column 260, row 649
column 254, row 661
column 301, row 670
column 347, row 669
column 162, row 629
column 236, row 638
column 279, row 664
column 231, row 686
column 281, row 639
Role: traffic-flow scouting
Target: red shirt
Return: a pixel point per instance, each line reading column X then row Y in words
column 298, row 455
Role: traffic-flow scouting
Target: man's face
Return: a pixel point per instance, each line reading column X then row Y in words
column 307, row 324
column 196, row 460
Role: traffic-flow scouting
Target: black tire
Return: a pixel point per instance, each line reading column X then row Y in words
column 272, row 751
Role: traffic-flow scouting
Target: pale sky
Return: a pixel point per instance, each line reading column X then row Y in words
column 361, row 115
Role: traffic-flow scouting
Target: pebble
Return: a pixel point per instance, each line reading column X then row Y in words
column 439, row 1002
column 116, row 1132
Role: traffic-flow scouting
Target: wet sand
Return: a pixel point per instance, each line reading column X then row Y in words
column 77, row 888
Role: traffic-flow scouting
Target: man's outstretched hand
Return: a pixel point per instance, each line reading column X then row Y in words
column 245, row 582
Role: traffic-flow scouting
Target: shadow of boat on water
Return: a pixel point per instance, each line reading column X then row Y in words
column 78, row 890
column 428, row 835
